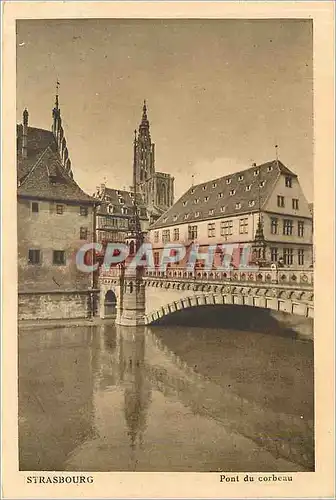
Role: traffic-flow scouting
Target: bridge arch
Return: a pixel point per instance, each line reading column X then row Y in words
column 276, row 303
column 110, row 304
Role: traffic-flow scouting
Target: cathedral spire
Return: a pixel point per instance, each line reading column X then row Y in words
column 144, row 120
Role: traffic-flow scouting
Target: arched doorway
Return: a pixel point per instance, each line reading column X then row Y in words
column 110, row 304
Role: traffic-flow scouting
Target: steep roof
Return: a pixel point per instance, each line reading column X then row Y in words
column 219, row 197
column 41, row 174
column 47, row 179
column 119, row 198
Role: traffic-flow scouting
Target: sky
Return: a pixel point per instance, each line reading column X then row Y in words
column 220, row 94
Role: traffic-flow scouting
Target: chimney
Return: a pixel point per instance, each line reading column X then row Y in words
column 25, row 134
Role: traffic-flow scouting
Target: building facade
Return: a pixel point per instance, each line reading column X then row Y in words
column 115, row 212
column 55, row 218
column 263, row 206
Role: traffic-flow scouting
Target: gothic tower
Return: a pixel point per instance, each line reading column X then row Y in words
column 145, row 159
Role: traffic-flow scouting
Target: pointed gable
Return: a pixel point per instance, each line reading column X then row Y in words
column 48, row 180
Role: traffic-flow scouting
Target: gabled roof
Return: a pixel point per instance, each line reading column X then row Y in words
column 119, row 198
column 219, row 197
column 38, row 141
column 47, row 179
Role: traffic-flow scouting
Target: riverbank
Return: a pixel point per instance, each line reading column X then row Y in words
column 52, row 323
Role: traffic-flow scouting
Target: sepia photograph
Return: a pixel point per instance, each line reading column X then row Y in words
column 167, row 265
column 165, row 245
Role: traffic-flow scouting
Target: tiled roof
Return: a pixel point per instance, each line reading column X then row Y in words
column 229, row 195
column 119, row 198
column 47, row 179
column 38, row 140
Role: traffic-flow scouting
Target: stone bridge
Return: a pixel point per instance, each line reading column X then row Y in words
column 281, row 290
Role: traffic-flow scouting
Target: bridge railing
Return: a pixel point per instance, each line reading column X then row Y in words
column 288, row 276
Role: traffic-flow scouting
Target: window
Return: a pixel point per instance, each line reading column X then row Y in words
column 59, row 257
column 281, row 201
column 237, row 206
column 206, row 198
column 232, row 192
column 301, row 257
column 274, row 254
column 251, row 203
column 59, row 209
column 269, row 168
column 34, row 256
column 83, row 211
column 196, row 200
column 110, row 209
column 288, row 256
column 226, row 227
column 156, row 256
column 211, row 230
column 176, row 234
column 192, row 191
column 300, row 228
column 124, row 211
column 121, row 201
column 211, row 211
column 156, row 236
column 175, row 217
column 240, row 177
column 214, row 184
column 295, row 204
column 228, row 181
column 274, row 225
column 204, row 188
column 186, row 216
column 196, row 214
column 288, row 181
column 220, row 195
column 248, row 188
column 222, row 209
column 184, row 203
column 83, row 233
column 243, row 225
column 165, row 235
column 34, row 207
column 192, row 232
column 256, row 172
column 287, row 227
column 262, row 184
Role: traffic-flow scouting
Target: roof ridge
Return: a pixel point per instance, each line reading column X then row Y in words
column 35, row 164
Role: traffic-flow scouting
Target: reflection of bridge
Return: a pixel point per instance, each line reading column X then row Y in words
column 282, row 290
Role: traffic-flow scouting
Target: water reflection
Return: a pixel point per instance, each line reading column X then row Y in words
column 110, row 398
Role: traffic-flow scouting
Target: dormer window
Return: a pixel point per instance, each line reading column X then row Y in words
column 222, row 209
column 206, row 198
column 196, row 214
column 232, row 192
column 238, row 205
column 248, row 188
column 269, row 168
column 240, row 177
column 228, row 181
column 204, row 187
column 124, row 211
column 220, row 195
column 110, row 209
column 121, row 201
column 192, row 191
column 175, row 217
column 186, row 216
column 184, row 203
column 214, row 184
column 251, row 203
column 211, row 211
column 196, row 200
column 262, row 184
column 256, row 172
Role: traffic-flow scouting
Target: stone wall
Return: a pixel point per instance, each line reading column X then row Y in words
column 56, row 305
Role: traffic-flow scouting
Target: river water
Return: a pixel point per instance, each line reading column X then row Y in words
column 107, row 398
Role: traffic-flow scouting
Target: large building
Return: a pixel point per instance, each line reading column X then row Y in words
column 55, row 218
column 262, row 206
column 154, row 192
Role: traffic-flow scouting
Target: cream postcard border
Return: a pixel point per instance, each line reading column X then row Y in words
column 180, row 485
